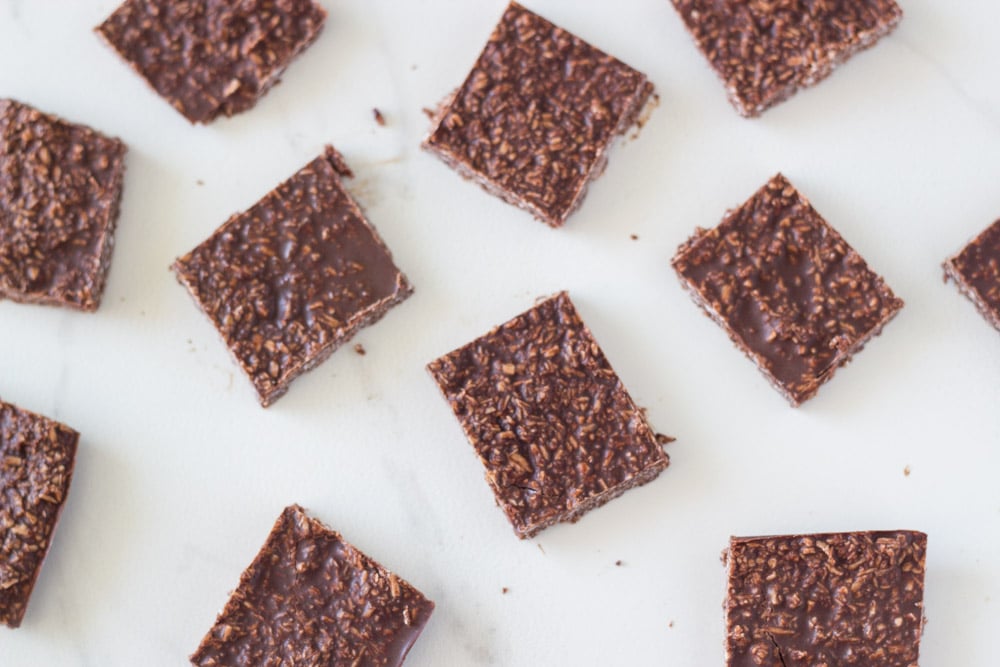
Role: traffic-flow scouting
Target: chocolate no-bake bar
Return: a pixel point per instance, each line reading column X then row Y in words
column 310, row 598
column 835, row 599
column 60, row 186
column 36, row 466
column 765, row 50
column 789, row 291
column 293, row 278
column 976, row 271
column 208, row 58
column 552, row 423
column 533, row 121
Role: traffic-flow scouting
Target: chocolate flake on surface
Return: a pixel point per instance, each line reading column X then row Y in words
column 534, row 119
column 789, row 291
column 976, row 271
column 60, row 188
column 292, row 279
column 549, row 418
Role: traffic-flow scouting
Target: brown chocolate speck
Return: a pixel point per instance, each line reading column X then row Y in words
column 618, row 563
column 379, row 118
column 360, row 349
column 906, row 471
column 504, row 590
column 634, row 237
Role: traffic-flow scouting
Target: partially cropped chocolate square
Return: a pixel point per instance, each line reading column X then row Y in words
column 209, row 58
column 552, row 423
column 765, row 50
column 789, row 291
column 36, row 466
column 293, row 278
column 836, row 599
column 310, row 598
column 60, row 186
column 533, row 121
column 976, row 271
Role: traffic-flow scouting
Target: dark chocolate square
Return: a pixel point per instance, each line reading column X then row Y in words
column 310, row 598
column 293, row 278
column 552, row 423
column 789, row 291
column 209, row 58
column 836, row 599
column 60, row 186
column 765, row 50
column 36, row 466
column 534, row 119
column 976, row 271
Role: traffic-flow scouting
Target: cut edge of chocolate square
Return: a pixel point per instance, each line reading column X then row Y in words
column 66, row 440
column 641, row 104
column 952, row 271
column 294, row 519
column 106, row 224
column 524, row 527
column 268, row 394
column 795, row 398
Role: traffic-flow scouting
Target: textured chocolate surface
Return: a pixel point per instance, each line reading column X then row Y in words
column 60, row 186
column 538, row 111
column 549, row 418
column 311, row 599
column 295, row 277
column 976, row 271
column 789, row 291
column 764, row 50
column 836, row 600
column 36, row 466
column 207, row 57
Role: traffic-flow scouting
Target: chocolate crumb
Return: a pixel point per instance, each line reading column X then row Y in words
column 634, row 237
column 618, row 563
column 906, row 471
column 670, row 624
column 379, row 118
column 504, row 590
column 664, row 439
column 360, row 349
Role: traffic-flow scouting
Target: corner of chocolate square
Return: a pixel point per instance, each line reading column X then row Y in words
column 293, row 278
column 552, row 423
column 534, row 119
column 37, row 456
column 60, row 188
column 212, row 58
column 311, row 598
column 765, row 51
column 826, row 599
column 786, row 288
column 976, row 271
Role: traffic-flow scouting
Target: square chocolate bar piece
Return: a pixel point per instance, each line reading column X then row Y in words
column 787, row 289
column 60, row 186
column 209, row 58
column 310, row 598
column 976, row 271
column 836, row 599
column 36, row 466
column 765, row 50
column 534, row 119
column 552, row 423
column 295, row 277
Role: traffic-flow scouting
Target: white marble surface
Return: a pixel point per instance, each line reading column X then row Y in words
column 181, row 474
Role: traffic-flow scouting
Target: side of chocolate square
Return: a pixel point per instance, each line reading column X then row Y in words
column 976, row 271
column 36, row 466
column 310, row 598
column 60, row 189
column 557, row 432
column 533, row 121
column 826, row 599
column 786, row 288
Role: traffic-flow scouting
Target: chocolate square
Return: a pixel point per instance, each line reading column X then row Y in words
column 534, row 119
column 976, row 271
column 834, row 599
column 789, row 291
column 295, row 277
column 765, row 50
column 552, row 423
column 209, row 58
column 36, row 466
column 60, row 186
column 310, row 598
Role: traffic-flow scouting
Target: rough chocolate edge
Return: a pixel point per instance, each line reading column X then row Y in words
column 951, row 272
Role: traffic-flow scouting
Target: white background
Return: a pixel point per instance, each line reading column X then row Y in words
column 180, row 474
